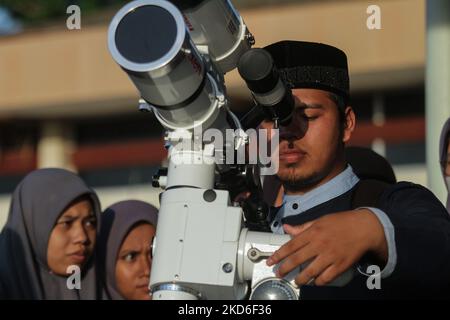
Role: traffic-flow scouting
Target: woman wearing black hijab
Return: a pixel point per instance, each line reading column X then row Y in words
column 124, row 248
column 51, row 229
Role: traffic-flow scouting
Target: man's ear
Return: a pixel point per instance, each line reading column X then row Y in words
column 350, row 122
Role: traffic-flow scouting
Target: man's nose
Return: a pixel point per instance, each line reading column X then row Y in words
column 295, row 130
column 288, row 135
column 289, row 132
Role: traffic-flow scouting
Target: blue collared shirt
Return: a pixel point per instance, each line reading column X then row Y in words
column 343, row 182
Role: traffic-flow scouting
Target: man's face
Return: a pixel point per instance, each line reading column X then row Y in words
column 311, row 146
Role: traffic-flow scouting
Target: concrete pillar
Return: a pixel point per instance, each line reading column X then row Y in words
column 55, row 146
column 437, row 87
column 378, row 119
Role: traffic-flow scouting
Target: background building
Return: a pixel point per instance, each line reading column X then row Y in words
column 65, row 103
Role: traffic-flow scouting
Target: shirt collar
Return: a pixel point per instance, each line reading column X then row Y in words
column 295, row 204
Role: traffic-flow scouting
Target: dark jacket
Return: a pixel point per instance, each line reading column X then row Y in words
column 422, row 239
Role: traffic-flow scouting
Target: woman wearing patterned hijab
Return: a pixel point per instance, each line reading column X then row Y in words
column 50, row 233
column 126, row 236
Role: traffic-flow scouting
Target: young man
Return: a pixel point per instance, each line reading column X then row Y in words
column 404, row 230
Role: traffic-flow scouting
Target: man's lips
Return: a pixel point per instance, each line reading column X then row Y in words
column 291, row 156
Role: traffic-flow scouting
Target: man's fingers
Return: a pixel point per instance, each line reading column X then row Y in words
column 296, row 259
column 313, row 271
column 328, row 275
column 295, row 230
column 288, row 248
column 334, row 272
column 294, row 245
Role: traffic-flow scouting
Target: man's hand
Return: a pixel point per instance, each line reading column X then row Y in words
column 332, row 244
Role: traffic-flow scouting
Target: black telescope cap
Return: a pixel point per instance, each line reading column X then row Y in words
column 146, row 34
column 257, row 68
column 186, row 4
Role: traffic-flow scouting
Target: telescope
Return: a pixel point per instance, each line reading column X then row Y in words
column 176, row 54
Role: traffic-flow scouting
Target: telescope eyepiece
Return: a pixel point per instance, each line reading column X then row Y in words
column 259, row 72
column 257, row 68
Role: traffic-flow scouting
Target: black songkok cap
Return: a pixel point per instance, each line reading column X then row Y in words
column 312, row 65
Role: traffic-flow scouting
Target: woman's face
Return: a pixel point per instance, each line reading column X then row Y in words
column 73, row 237
column 134, row 263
